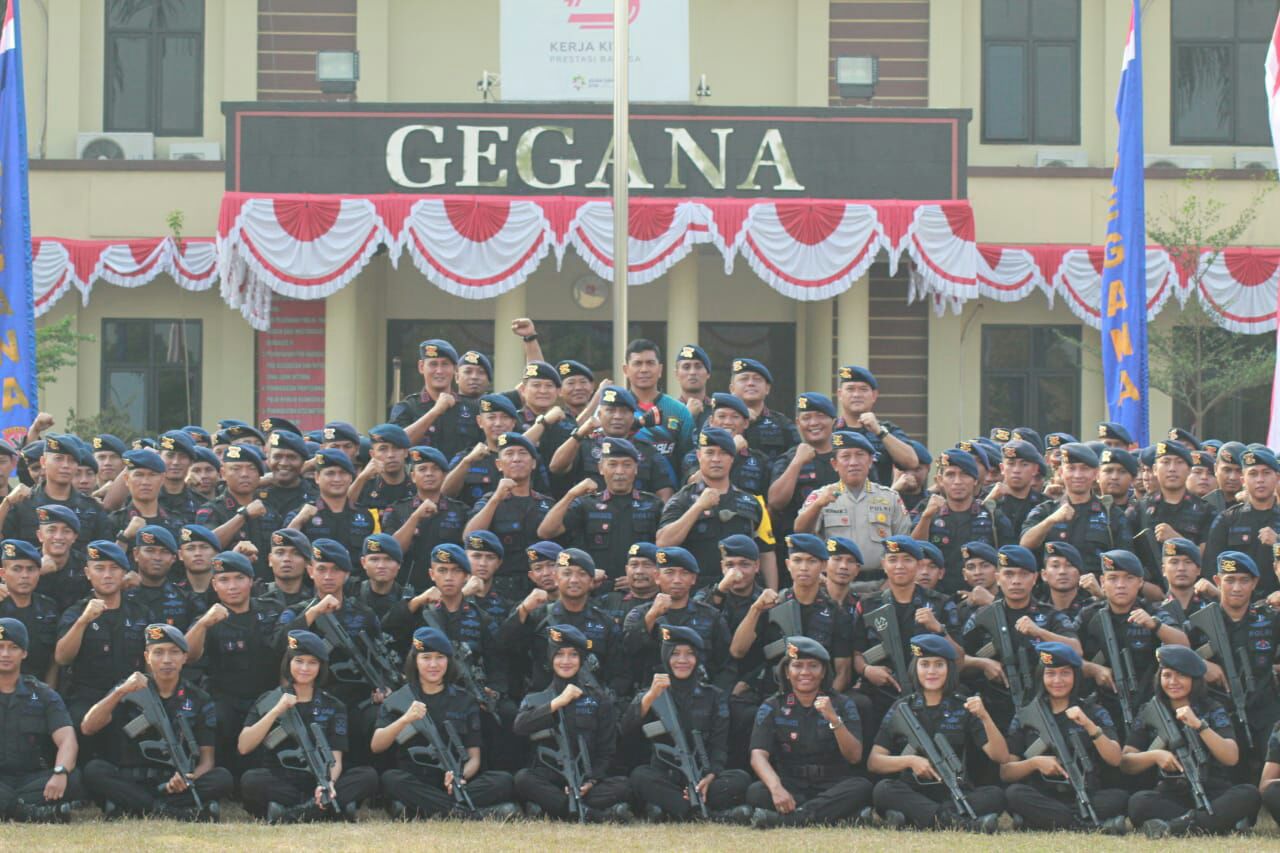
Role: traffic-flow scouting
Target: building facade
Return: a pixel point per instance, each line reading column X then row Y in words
column 1037, row 80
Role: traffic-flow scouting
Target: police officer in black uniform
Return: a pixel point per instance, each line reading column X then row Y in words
column 283, row 794
column 128, row 782
column 589, row 717
column 145, row 482
column 333, row 515
column 1251, row 526
column 525, row 631
column 154, row 553
column 1172, row 511
column 474, row 473
column 806, row 739
column 693, row 371
column 858, row 391
column 957, row 516
column 702, row 711
column 385, row 480
column 100, row 639
column 241, row 514
column 288, row 559
column 289, row 491
column 751, row 467
column 1015, row 495
column 38, row 749
column 57, row 531
column 1038, row 794
column 58, row 465
column 426, row 518
column 1169, row 809
column 805, row 467
column 380, row 561
column 702, row 513
column 419, row 788
column 1079, row 518
column 234, row 640
column 435, row 416
column 178, row 452
column 772, row 433
column 911, row 792
column 606, row 520
column 581, row 453
column 1139, row 627
column 641, row 638
column 38, row 614
column 513, row 511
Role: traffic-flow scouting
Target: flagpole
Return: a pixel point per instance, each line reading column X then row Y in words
column 621, row 172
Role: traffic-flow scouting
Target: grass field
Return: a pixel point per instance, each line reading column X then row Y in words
column 374, row 832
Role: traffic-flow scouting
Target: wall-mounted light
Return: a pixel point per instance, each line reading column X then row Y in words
column 337, row 71
column 704, row 88
column 856, row 76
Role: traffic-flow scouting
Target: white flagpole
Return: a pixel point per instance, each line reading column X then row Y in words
column 621, row 173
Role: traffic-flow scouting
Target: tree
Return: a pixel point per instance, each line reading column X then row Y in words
column 57, row 346
column 1197, row 362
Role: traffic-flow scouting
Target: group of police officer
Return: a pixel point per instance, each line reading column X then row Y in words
column 597, row 601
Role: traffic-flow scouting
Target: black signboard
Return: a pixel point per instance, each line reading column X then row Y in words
column 566, row 149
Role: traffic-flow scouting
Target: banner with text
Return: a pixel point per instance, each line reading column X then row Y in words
column 562, row 50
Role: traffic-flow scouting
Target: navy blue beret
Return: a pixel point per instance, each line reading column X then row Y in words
column 13, row 631
column 923, row 456
column 485, row 540
column 1058, row 439
column 1015, row 556
column 158, row 633
column 1181, row 547
column 1065, row 550
column 576, row 557
column 616, row 395
column 1018, row 449
column 427, row 639
column 693, row 352
column 854, row 373
column 812, row 401
column 902, row 544
column 979, row 551
column 1184, row 436
column 339, row 431
column 109, row 443
column 391, row 434
column 1077, row 452
column 333, row 458
column 645, row 551
column 515, row 439
column 739, row 545
column 1172, row 448
column 751, row 365
column 843, row 545
column 1117, row 456
column 499, row 403
column 295, row 539
column 1261, row 456
column 932, row 646
column 1030, row 436
column 154, row 534
column 540, row 551
column 207, row 456
column 286, row 440
column 1182, row 659
column 932, row 553
column 807, row 543
column 1059, row 654
column 1232, row 452
column 436, row 348
column 420, row 454
column 58, row 514
column 245, row 453
column 1236, row 562
column 382, row 543
column 480, row 360
column 844, row 439
column 611, row 447
column 959, row 459
column 716, row 437
column 20, row 549
column 677, row 557
column 799, row 647
column 567, row 636
column 569, row 367
column 679, row 635
column 232, row 561
column 307, row 643
column 101, row 549
column 145, row 459
column 1122, row 561
column 542, row 370
column 449, row 554
column 273, row 423
column 331, row 551
column 178, row 441
column 1115, row 432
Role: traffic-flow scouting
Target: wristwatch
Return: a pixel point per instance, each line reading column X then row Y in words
column 884, row 430
column 59, row 771
column 243, row 512
column 528, row 339
column 1204, row 724
column 839, row 723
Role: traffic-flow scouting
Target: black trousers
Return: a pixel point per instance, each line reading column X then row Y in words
column 1052, row 810
column 928, row 806
column 260, row 787
column 1271, row 799
column 231, row 713
column 545, row 788
column 657, row 787
column 137, row 790
column 425, row 796
column 1231, row 803
column 824, row 803
column 28, row 788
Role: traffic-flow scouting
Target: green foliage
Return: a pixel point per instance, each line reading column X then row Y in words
column 1197, row 362
column 175, row 222
column 110, row 419
column 57, row 346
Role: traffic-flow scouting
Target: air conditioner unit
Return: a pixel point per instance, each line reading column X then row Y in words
column 195, row 151
column 1074, row 158
column 1260, row 161
column 1177, row 161
column 116, row 146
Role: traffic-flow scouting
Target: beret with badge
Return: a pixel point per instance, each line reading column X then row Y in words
column 843, row 545
column 855, row 373
column 1122, row 561
column 751, row 365
column 179, row 442
column 932, row 646
column 499, row 403
column 245, row 453
column 1236, row 563
column 382, row 543
column 480, row 360
column 449, row 554
column 677, row 557
column 902, row 544
column 273, row 423
column 428, row 639
column 1058, row 439
column 333, row 458
column 509, row 440
column 611, row 447
column 812, row 401
column 101, row 549
column 569, row 367
column 693, row 352
column 616, row 395
column 804, row 648
column 959, row 459
column 158, row 633
column 339, row 431
column 58, row 514
column 1121, row 457
column 1017, row 557
column 716, row 437
column 485, row 540
column 648, row 551
column 807, row 543
column 154, row 534
column 576, row 557
column 19, row 549
column 109, row 443
column 1057, row 654
column 391, row 434
column 287, row 537
column 324, row 550
column 848, row 440
column 739, row 545
column 13, row 631
column 720, row 400
column 1181, row 547
column 1066, row 551
column 437, row 348
column 145, row 459
column 1182, row 659
column 286, row 440
column 306, row 643
column 542, row 370
column 232, row 562
column 979, row 551
column 421, row 455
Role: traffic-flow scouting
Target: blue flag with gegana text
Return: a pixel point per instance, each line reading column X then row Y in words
column 17, row 311
column 1124, row 267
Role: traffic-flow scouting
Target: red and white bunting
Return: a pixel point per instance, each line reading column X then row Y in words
column 810, row 250
column 660, row 232
column 59, row 265
column 476, row 248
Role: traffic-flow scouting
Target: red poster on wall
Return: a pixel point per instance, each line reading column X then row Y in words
column 291, row 363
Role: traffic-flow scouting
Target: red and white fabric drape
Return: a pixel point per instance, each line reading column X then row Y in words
column 58, row 265
column 478, row 247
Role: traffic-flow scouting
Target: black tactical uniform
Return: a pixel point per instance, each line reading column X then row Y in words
column 1094, row 529
column 28, row 718
column 605, row 525
column 443, row 525
column 737, row 512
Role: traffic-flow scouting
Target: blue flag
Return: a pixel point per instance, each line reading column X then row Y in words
column 1124, row 269
column 17, row 310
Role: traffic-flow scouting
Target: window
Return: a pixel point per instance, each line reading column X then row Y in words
column 1031, row 377
column 155, row 67
column 1219, row 48
column 1031, row 71
column 589, row 342
column 151, row 371
column 774, row 344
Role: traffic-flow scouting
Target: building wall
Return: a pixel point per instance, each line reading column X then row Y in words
column 777, row 53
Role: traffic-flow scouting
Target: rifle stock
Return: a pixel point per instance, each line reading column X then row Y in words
column 787, row 617
column 884, row 620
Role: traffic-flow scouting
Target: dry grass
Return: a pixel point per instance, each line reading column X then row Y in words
column 374, row 832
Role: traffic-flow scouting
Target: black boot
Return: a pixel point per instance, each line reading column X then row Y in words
column 499, row 811
column 765, row 819
column 737, row 816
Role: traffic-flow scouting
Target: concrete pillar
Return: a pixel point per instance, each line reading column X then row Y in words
column 342, row 345
column 815, row 374
column 239, row 75
column 812, row 52
column 508, row 350
column 63, row 60
column 682, row 312
column 853, row 331
column 373, row 27
column 802, row 343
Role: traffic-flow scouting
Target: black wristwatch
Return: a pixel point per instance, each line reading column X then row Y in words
column 528, row 339
column 59, row 771
column 1204, row 724
column 243, row 512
